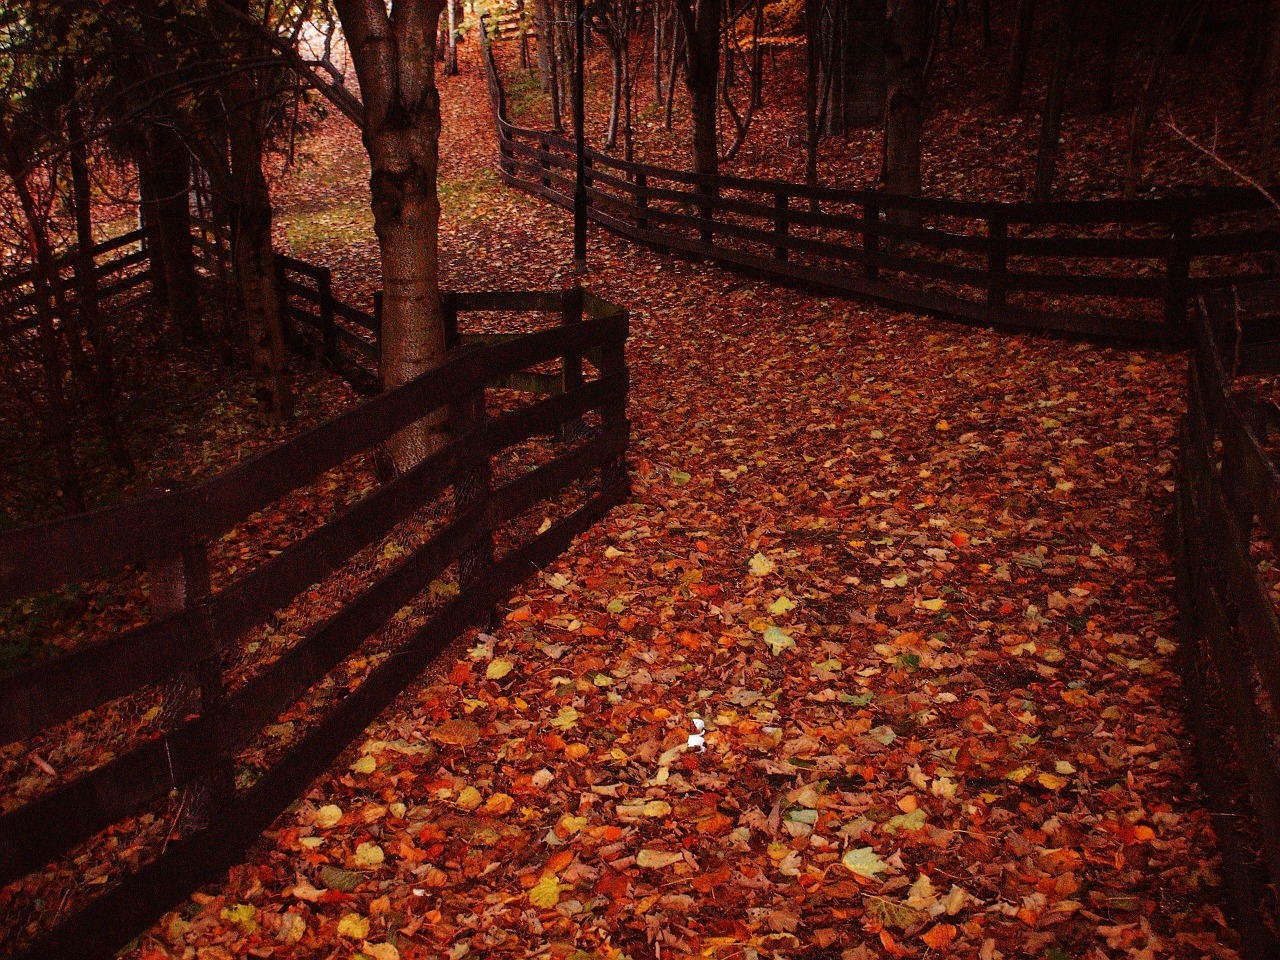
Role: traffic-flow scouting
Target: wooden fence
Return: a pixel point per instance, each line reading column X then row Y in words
column 193, row 638
column 116, row 275
column 1228, row 524
column 1109, row 268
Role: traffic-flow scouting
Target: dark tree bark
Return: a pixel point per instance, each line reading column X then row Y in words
column 169, row 165
column 250, row 215
column 1178, row 19
column 394, row 56
column 701, row 20
column 1019, row 50
column 1117, row 16
column 546, row 45
column 451, row 44
column 148, row 197
column 904, row 96
column 1270, row 119
column 1055, row 99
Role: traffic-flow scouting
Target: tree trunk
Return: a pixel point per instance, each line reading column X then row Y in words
column 170, row 166
column 1019, row 50
column 904, row 97
column 394, row 60
column 615, row 100
column 702, row 74
column 1117, row 16
column 657, row 52
column 546, row 45
column 1270, row 120
column 1055, row 100
column 249, row 213
column 148, row 196
column 451, row 55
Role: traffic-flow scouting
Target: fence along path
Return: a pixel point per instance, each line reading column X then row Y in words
column 1108, row 268
column 177, row 660
column 1228, row 518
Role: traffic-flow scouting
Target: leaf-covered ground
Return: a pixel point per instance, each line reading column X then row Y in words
column 876, row 662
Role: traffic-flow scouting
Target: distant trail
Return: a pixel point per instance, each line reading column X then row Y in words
column 1109, row 270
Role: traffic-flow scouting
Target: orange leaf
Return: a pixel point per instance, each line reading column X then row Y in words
column 940, row 937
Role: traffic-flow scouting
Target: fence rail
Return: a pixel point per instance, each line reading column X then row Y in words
column 191, row 640
column 1228, row 520
column 1109, row 268
column 18, row 297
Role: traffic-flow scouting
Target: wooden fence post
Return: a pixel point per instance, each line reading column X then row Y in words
column 1178, row 275
column 780, row 224
column 472, row 489
column 544, row 146
column 571, row 366
column 870, row 239
column 706, row 212
column 449, row 317
column 642, row 200
column 180, row 584
column 324, row 283
column 613, row 360
column 997, row 263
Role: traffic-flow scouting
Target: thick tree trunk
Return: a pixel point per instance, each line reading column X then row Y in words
column 702, row 74
column 1019, row 50
column 1055, row 101
column 904, row 97
column 148, row 196
column 170, row 166
column 546, row 44
column 1270, row 120
column 1117, row 16
column 249, row 213
column 394, row 60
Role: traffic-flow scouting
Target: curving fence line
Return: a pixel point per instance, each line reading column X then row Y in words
column 1109, row 268
column 1228, row 553
column 198, row 694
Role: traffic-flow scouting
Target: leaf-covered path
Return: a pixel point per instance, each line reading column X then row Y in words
column 877, row 662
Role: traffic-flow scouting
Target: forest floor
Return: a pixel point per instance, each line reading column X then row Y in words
column 876, row 662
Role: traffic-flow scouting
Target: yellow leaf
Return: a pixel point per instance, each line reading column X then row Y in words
column 497, row 669
column 1020, row 774
column 499, row 804
column 242, row 915
column 1052, row 781
column 546, row 892
column 761, row 566
column 469, row 798
column 369, row 855
column 327, row 816
column 657, row 808
column 354, row 926
column 781, row 605
column 934, row 605
column 365, row 764
column 380, row 951
column 566, row 718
